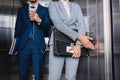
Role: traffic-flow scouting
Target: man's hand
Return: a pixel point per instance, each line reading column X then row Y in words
column 16, row 53
column 34, row 16
column 85, row 40
column 77, row 51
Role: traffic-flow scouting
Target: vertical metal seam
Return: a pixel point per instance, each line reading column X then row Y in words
column 107, row 40
column 87, row 27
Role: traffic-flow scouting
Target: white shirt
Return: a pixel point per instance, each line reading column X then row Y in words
column 36, row 6
column 66, row 6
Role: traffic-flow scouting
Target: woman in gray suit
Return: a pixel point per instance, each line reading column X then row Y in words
column 67, row 16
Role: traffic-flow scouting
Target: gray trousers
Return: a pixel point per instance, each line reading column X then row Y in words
column 56, row 66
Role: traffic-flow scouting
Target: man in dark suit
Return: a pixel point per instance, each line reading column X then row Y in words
column 32, row 21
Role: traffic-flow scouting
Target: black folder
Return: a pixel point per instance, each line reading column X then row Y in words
column 61, row 41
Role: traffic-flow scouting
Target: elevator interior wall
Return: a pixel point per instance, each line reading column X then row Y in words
column 116, row 37
column 90, row 68
column 93, row 66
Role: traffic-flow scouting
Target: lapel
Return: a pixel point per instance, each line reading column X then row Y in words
column 71, row 10
column 40, row 11
column 62, row 9
column 26, row 16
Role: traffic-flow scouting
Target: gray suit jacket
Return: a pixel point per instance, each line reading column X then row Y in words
column 65, row 24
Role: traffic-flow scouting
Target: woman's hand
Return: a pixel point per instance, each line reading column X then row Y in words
column 85, row 40
column 77, row 51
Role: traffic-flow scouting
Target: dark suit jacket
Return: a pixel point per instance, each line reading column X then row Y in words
column 24, row 26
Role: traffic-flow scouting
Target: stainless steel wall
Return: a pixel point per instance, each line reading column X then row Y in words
column 116, row 37
column 92, row 67
column 8, row 64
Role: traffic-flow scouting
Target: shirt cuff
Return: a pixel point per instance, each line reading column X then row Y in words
column 39, row 23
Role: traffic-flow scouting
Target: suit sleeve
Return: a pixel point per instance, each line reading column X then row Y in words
column 18, row 25
column 46, row 22
column 81, row 23
column 59, row 24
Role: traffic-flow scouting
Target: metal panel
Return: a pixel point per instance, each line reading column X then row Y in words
column 107, row 40
column 7, row 21
column 116, row 37
column 98, row 65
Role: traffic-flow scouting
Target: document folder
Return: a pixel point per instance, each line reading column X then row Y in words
column 13, row 47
